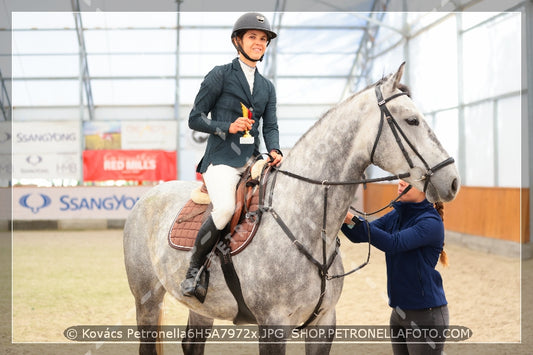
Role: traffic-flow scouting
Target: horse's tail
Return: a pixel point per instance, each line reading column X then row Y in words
column 159, row 343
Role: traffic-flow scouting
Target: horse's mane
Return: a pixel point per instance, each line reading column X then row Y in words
column 402, row 87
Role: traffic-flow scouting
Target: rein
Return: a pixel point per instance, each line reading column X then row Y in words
column 324, row 266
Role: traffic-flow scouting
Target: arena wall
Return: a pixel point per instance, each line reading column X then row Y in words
column 494, row 219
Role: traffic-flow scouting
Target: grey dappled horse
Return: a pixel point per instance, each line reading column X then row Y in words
column 280, row 285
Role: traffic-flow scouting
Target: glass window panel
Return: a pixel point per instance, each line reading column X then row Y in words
column 307, row 91
column 446, row 127
column 419, row 20
column 479, row 145
column 471, row 19
column 205, row 40
column 302, row 112
column 128, row 19
column 319, row 41
column 295, row 127
column 42, row 20
column 488, row 50
column 188, row 91
column 45, row 93
column 45, row 42
column 509, row 142
column 132, row 65
column 385, row 64
column 213, row 18
column 130, row 41
column 387, row 39
column 333, row 19
column 330, row 64
column 46, row 66
column 433, row 75
column 192, row 64
column 390, row 32
column 133, row 92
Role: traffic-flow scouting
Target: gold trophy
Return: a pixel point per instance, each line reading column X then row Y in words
column 247, row 138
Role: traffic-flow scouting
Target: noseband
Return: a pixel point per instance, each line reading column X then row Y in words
column 397, row 132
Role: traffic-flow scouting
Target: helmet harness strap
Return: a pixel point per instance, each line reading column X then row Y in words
column 236, row 44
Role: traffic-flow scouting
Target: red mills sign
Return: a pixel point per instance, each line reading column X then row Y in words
column 137, row 165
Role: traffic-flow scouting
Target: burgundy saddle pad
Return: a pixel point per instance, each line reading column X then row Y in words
column 243, row 226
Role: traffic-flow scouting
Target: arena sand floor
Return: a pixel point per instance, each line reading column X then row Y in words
column 62, row 279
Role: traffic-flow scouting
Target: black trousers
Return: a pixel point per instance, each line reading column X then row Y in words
column 419, row 331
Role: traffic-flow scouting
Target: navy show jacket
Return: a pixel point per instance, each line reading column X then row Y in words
column 221, row 93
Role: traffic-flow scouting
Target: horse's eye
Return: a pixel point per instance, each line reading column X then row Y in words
column 412, row 121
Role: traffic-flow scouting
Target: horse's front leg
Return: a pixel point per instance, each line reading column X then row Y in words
column 196, row 334
column 321, row 344
column 272, row 339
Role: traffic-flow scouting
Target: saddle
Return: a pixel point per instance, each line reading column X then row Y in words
column 237, row 235
column 245, row 220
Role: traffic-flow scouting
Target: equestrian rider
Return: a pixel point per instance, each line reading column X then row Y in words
column 226, row 89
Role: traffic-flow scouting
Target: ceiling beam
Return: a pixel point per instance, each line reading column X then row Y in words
column 361, row 65
column 5, row 102
column 84, row 66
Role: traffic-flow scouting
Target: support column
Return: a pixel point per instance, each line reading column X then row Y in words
column 461, row 164
column 527, row 121
column 177, row 92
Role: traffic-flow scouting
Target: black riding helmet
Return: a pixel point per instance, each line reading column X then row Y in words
column 251, row 21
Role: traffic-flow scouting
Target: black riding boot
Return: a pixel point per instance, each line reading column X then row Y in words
column 205, row 241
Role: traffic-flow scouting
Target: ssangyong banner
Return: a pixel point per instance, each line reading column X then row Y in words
column 134, row 165
column 46, row 137
column 57, row 203
column 46, row 166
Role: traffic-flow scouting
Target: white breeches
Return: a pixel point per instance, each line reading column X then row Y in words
column 221, row 182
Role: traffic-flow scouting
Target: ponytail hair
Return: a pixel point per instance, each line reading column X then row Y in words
column 439, row 206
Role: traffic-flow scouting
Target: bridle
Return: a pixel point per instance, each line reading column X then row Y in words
column 324, row 266
column 397, row 131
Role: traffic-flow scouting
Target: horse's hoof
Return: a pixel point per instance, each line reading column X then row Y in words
column 188, row 287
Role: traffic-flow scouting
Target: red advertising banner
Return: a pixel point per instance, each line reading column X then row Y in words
column 136, row 165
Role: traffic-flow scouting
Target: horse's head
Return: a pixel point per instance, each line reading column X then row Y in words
column 405, row 142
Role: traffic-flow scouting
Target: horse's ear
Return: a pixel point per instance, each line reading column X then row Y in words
column 397, row 77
